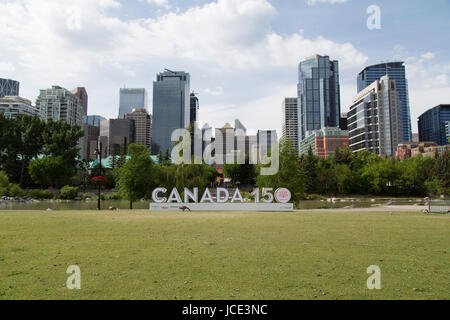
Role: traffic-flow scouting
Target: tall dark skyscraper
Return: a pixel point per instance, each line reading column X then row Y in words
column 397, row 72
column 9, row 87
column 433, row 125
column 195, row 106
column 318, row 94
column 171, row 107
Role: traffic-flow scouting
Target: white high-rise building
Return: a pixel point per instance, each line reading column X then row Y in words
column 290, row 121
column 375, row 119
column 59, row 104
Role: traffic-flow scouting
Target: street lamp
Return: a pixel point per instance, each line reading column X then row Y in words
column 98, row 152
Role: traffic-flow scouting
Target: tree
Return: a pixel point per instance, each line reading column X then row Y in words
column 61, row 140
column 137, row 175
column 289, row 174
column 245, row 174
column 50, row 171
column 31, row 142
column 442, row 171
column 166, row 160
column 309, row 168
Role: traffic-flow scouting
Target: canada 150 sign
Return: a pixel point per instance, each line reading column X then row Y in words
column 268, row 201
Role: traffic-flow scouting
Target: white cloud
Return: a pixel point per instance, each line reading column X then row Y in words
column 428, row 55
column 160, row 3
column 429, row 84
column 314, row 2
column 6, row 69
column 225, row 35
column 217, row 91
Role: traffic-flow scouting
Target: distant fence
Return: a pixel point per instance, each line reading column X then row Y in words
column 439, row 206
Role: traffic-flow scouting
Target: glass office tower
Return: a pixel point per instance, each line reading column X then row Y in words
column 318, row 95
column 132, row 98
column 9, row 88
column 432, row 125
column 171, row 108
column 195, row 106
column 397, row 72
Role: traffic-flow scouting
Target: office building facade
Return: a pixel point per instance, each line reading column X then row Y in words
column 93, row 120
column 325, row 141
column 81, row 94
column 14, row 106
column 432, row 125
column 290, row 123
column 143, row 126
column 116, row 135
column 171, row 108
column 194, row 108
column 132, row 98
column 374, row 120
column 9, row 87
column 266, row 139
column 88, row 143
column 318, row 94
column 396, row 72
column 59, row 104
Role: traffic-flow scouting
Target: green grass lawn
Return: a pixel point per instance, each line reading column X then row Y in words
column 143, row 255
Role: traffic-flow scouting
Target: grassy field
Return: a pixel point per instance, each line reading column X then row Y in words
column 143, row 255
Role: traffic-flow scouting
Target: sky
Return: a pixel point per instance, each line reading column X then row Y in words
column 242, row 55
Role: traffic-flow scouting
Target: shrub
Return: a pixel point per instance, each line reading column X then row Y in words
column 84, row 196
column 4, row 181
column 39, row 194
column 114, row 196
column 3, row 191
column 68, row 193
column 15, row 190
column 315, row 197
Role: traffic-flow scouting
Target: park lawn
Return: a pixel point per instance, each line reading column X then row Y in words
column 143, row 255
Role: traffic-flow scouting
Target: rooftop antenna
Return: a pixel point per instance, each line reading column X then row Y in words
column 170, row 71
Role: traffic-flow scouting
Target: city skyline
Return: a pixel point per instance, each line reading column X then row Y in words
column 270, row 41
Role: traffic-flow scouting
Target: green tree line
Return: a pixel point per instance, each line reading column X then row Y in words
column 33, row 151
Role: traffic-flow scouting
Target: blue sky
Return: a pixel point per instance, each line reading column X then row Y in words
column 242, row 55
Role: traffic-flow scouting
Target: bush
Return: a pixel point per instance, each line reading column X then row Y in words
column 15, row 190
column 39, row 194
column 4, row 181
column 3, row 191
column 84, row 196
column 315, row 197
column 114, row 196
column 68, row 193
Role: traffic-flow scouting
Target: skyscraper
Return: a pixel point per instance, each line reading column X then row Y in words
column 142, row 125
column 374, row 120
column 432, row 125
column 397, row 72
column 115, row 134
column 9, row 87
column 88, row 143
column 290, row 123
column 93, row 120
column 171, row 107
column 195, row 105
column 132, row 98
column 318, row 94
column 81, row 94
column 59, row 104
